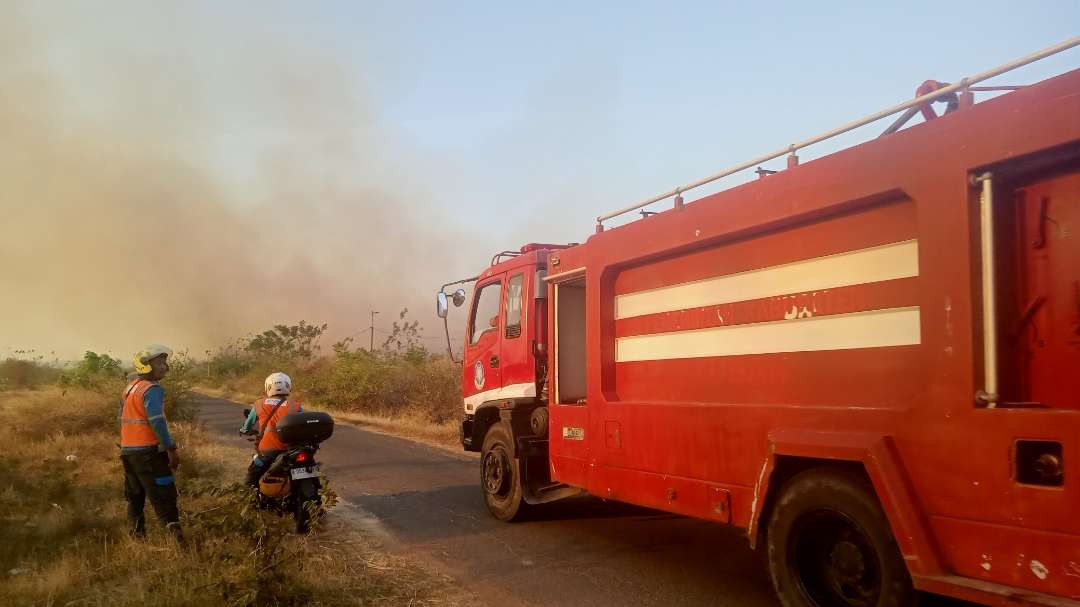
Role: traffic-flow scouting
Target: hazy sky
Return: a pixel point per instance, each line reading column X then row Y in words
column 335, row 157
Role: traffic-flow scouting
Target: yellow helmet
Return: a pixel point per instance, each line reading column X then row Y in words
column 143, row 357
column 275, row 486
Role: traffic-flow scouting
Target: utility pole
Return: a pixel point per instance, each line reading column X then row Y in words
column 371, row 345
column 208, row 365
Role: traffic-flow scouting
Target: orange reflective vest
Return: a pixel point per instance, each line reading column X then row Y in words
column 135, row 430
column 270, row 440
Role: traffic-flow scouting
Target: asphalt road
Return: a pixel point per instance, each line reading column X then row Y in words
column 581, row 551
column 426, row 504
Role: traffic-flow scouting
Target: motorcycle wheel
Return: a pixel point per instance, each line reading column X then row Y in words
column 307, row 502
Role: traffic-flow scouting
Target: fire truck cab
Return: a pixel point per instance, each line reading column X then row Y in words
column 505, row 379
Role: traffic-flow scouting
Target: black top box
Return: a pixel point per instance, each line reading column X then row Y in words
column 305, row 427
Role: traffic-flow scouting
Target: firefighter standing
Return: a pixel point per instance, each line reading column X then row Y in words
column 263, row 418
column 147, row 450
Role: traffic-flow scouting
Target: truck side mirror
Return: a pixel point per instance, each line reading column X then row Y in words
column 459, row 298
column 441, row 306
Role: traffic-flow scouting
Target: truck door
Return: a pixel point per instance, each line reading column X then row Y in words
column 1027, row 438
column 482, row 369
column 569, row 432
column 1045, row 323
column 516, row 361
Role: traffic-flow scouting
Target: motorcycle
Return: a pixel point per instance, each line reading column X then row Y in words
column 291, row 484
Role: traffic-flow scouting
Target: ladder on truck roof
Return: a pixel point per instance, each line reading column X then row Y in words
column 913, row 106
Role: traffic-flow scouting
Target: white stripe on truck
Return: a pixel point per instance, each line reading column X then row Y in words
column 873, row 329
column 512, row 391
column 875, row 264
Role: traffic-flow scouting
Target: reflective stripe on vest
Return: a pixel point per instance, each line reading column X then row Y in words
column 270, row 440
column 135, row 430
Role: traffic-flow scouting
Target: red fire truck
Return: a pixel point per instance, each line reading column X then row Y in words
column 869, row 361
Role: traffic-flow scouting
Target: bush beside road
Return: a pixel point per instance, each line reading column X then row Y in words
column 399, row 387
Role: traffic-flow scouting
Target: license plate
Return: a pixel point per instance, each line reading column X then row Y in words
column 299, row 473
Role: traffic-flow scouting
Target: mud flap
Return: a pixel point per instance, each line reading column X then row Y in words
column 542, row 491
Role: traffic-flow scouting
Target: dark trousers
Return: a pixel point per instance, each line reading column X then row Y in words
column 148, row 475
column 259, row 464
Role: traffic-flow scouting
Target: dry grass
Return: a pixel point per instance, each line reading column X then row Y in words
column 63, row 540
column 244, row 388
column 414, row 427
column 411, row 425
column 227, row 392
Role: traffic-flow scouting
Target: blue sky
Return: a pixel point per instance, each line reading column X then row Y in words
column 616, row 101
column 408, row 141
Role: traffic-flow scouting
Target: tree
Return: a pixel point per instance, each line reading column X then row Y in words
column 287, row 341
column 405, row 339
column 95, row 371
column 93, row 363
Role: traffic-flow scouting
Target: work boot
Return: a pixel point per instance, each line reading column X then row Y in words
column 138, row 529
column 178, row 535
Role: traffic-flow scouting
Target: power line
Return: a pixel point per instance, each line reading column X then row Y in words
column 380, row 331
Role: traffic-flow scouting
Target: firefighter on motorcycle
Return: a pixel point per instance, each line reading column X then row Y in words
column 261, row 421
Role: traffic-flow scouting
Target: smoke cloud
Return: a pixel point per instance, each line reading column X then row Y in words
column 128, row 217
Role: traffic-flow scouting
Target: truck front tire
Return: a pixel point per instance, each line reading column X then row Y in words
column 830, row 545
column 500, row 475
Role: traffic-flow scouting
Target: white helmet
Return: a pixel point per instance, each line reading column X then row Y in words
column 277, row 384
column 143, row 357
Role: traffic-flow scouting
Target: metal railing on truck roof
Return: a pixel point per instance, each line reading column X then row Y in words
column 963, row 86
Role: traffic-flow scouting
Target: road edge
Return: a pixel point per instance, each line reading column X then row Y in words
column 385, row 427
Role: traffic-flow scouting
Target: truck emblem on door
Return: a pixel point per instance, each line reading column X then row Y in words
column 478, row 375
column 570, row 433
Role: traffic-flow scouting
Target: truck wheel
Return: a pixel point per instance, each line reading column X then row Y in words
column 830, row 545
column 500, row 476
column 538, row 421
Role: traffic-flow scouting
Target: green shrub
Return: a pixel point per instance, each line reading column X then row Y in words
column 399, row 378
column 98, row 372
column 177, row 385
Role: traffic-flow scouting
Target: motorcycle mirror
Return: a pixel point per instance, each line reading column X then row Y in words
column 441, row 307
column 459, row 298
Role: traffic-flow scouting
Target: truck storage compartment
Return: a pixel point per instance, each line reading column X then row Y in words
column 1039, row 290
column 305, row 427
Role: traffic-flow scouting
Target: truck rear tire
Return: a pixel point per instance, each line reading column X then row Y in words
column 830, row 545
column 500, row 475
